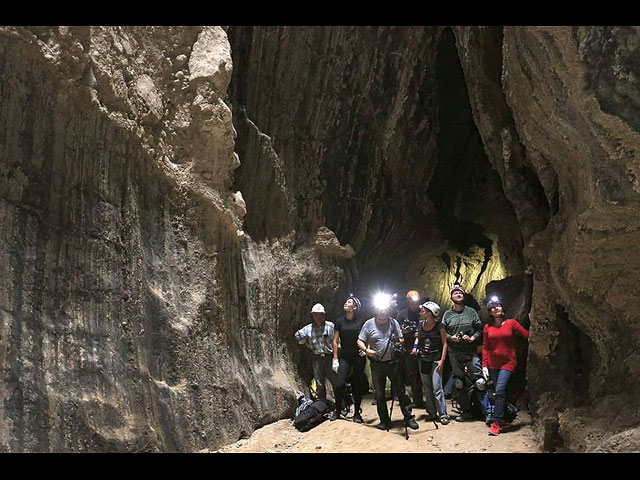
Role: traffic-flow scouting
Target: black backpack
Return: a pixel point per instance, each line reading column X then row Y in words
column 312, row 416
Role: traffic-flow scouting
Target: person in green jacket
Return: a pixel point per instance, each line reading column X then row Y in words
column 464, row 334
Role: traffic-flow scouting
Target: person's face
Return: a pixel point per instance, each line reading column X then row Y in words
column 382, row 313
column 423, row 313
column 414, row 305
column 349, row 305
column 457, row 296
column 496, row 311
column 318, row 317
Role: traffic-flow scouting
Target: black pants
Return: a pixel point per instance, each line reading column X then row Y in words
column 351, row 367
column 380, row 371
column 411, row 371
column 459, row 360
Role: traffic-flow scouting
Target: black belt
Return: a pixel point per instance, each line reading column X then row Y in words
column 322, row 354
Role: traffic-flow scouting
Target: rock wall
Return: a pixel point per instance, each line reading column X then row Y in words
column 173, row 199
column 548, row 104
column 136, row 316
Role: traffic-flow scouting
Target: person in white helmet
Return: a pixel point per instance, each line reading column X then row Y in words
column 318, row 337
column 430, row 346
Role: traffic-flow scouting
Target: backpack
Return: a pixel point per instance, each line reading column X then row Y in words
column 312, row 416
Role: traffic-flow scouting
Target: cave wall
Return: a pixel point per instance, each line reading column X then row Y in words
column 136, row 315
column 554, row 107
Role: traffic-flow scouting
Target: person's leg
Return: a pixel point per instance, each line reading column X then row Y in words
column 341, row 379
column 427, row 379
column 414, row 380
column 398, row 390
column 318, row 375
column 501, row 382
column 329, row 374
column 379, row 379
column 437, row 391
column 457, row 369
column 360, row 385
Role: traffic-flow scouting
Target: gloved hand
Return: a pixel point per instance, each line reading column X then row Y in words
column 335, row 365
column 485, row 373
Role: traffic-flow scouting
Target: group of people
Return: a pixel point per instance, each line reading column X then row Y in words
column 410, row 347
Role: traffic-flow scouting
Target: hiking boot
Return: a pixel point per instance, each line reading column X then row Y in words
column 495, row 429
column 334, row 416
column 464, row 417
column 357, row 418
column 383, row 426
column 445, row 419
column 411, row 423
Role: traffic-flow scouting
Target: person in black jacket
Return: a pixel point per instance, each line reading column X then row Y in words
column 409, row 319
column 348, row 361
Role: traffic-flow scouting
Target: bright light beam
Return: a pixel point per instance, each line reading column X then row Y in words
column 382, row 301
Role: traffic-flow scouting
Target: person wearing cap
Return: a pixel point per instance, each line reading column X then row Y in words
column 318, row 337
column 378, row 340
column 409, row 318
column 499, row 356
column 464, row 334
column 430, row 347
column 348, row 361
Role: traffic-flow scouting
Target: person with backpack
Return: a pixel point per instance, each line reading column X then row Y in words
column 499, row 356
column 464, row 332
column 430, row 347
column 318, row 337
column 380, row 339
column 348, row 361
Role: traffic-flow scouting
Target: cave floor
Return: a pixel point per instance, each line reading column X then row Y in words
column 345, row 436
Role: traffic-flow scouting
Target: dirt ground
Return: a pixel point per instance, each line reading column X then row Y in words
column 345, row 436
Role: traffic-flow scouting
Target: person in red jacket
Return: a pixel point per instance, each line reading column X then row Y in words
column 499, row 356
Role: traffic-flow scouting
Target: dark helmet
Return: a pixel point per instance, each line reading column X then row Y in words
column 356, row 300
column 493, row 302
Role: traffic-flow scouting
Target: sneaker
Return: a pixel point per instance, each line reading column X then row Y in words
column 334, row 416
column 495, row 429
column 445, row 419
column 357, row 418
column 411, row 423
column 463, row 417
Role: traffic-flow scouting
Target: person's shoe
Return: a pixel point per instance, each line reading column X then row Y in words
column 357, row 418
column 334, row 416
column 382, row 426
column 495, row 429
column 445, row 419
column 488, row 420
column 464, row 417
column 411, row 423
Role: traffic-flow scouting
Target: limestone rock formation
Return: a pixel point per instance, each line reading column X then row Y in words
column 174, row 199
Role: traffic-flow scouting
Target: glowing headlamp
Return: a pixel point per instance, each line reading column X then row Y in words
column 495, row 299
column 382, row 301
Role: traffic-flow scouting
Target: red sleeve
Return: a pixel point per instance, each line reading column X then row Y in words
column 519, row 329
column 485, row 346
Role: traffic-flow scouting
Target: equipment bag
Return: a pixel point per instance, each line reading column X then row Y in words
column 312, row 416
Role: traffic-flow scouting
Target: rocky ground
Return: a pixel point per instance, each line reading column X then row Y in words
column 347, row 437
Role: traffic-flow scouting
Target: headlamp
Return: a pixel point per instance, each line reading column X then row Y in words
column 381, row 301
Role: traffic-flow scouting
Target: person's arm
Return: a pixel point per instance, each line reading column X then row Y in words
column 520, row 330
column 485, row 348
column 370, row 352
column 336, row 341
column 415, row 344
column 302, row 335
column 477, row 327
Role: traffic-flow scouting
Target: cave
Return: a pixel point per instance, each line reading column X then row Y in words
column 174, row 199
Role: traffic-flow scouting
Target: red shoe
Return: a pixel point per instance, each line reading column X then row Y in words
column 495, row 429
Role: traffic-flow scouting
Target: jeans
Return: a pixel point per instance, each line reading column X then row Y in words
column 500, row 379
column 322, row 370
column 432, row 382
column 380, row 371
column 460, row 360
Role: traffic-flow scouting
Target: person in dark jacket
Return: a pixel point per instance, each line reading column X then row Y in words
column 409, row 318
column 348, row 361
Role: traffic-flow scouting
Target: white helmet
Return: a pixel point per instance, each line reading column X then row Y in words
column 318, row 308
column 433, row 307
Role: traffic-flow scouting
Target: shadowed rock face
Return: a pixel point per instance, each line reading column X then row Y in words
column 174, row 199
